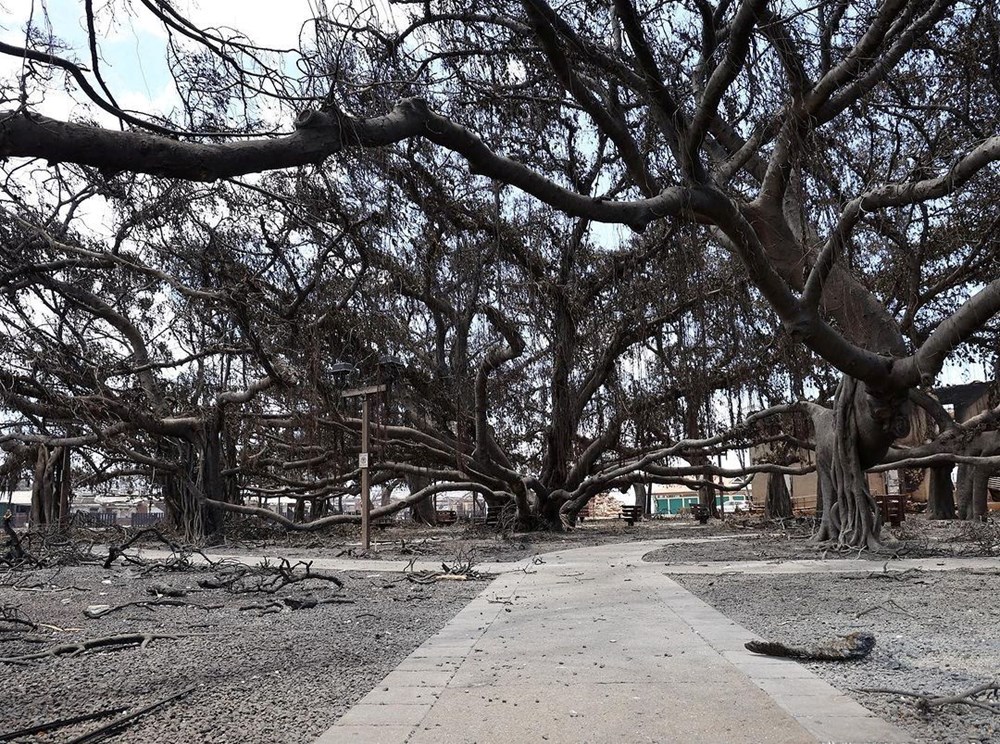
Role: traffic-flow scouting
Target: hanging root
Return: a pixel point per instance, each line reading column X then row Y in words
column 851, row 518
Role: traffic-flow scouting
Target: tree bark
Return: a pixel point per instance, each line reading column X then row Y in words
column 422, row 512
column 779, row 502
column 65, row 485
column 941, row 493
column 850, row 439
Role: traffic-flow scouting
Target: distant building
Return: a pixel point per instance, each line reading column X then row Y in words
column 671, row 499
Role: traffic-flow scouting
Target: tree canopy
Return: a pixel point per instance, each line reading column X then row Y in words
column 581, row 225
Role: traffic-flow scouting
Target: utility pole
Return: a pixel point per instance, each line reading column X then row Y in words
column 366, row 505
column 389, row 368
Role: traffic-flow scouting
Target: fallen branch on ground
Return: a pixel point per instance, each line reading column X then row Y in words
column 266, row 578
column 180, row 560
column 847, row 648
column 461, row 570
column 59, row 723
column 18, row 638
column 13, row 616
column 96, row 611
column 888, row 607
column 115, row 727
column 42, row 587
column 289, row 604
column 75, row 649
column 928, row 702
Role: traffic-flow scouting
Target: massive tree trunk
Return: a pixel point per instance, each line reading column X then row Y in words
column 941, row 493
column 972, row 492
column 555, row 511
column 864, row 422
column 642, row 492
column 851, row 438
column 422, row 512
column 199, row 475
column 50, row 488
column 778, row 504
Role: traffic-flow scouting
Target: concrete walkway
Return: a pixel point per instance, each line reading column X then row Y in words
column 593, row 645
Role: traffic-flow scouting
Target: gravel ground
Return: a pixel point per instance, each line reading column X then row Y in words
column 285, row 676
column 260, row 676
column 461, row 541
column 758, row 540
column 936, row 633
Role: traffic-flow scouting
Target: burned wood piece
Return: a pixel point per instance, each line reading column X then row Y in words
column 847, row 648
column 290, row 604
column 75, row 649
column 164, row 590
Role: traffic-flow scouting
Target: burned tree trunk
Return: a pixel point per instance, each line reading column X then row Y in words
column 50, row 488
column 941, row 493
column 422, row 512
column 778, row 504
column 199, row 475
column 642, row 493
column 972, row 494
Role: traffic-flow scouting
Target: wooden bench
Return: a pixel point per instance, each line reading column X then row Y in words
column 893, row 507
column 631, row 513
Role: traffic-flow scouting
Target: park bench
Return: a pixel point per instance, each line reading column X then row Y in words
column 631, row 513
column 893, row 507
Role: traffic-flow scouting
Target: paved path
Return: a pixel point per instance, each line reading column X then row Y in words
column 593, row 645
